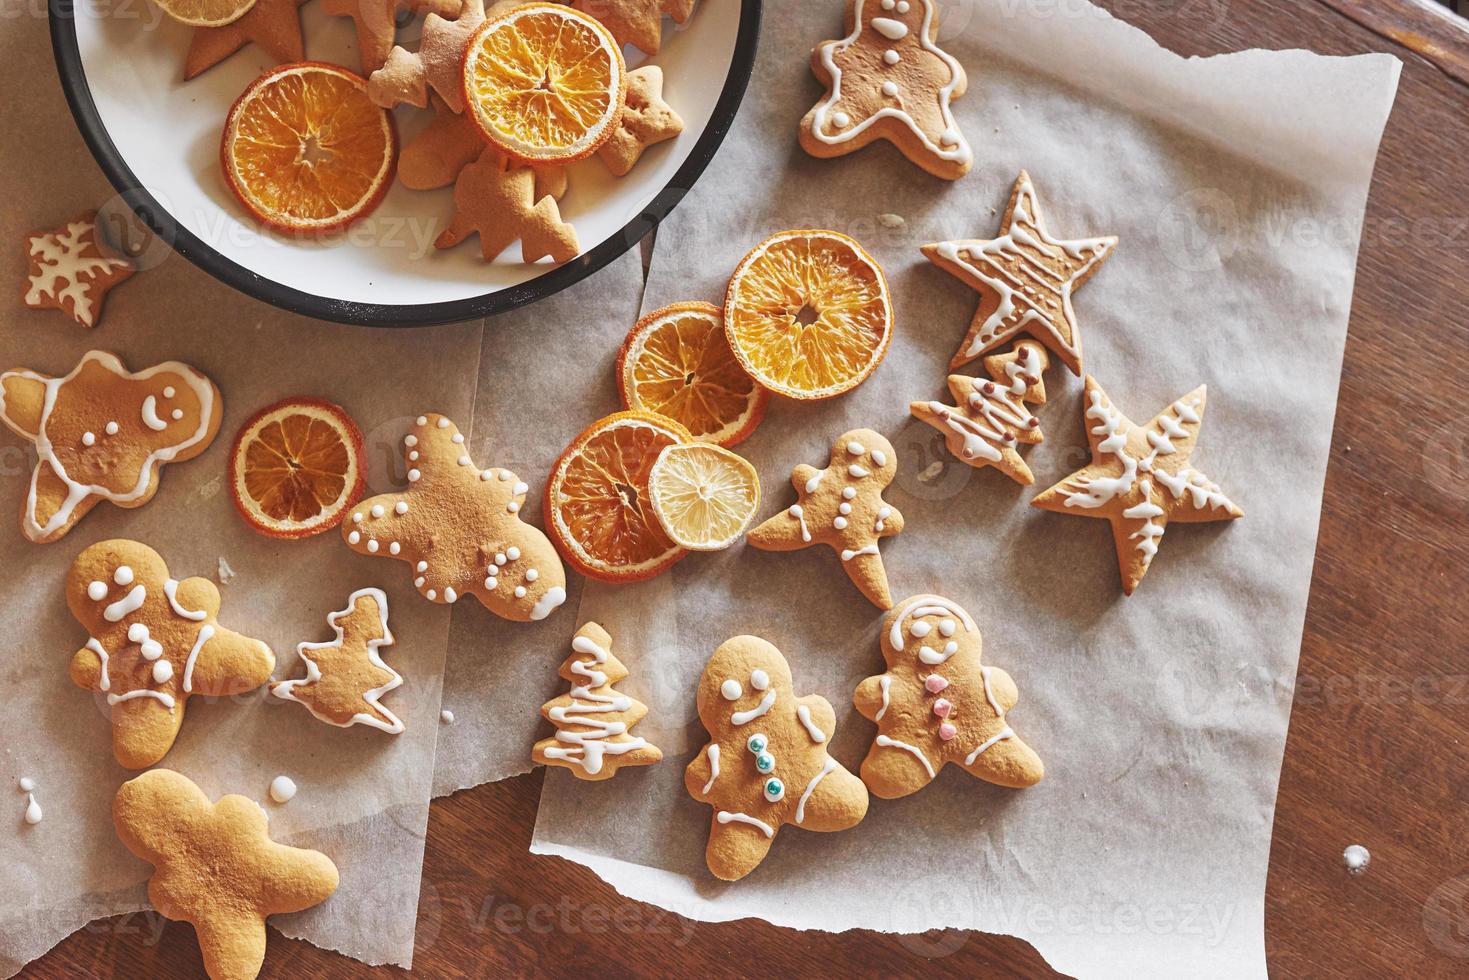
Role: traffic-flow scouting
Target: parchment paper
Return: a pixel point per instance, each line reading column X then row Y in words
column 1237, row 185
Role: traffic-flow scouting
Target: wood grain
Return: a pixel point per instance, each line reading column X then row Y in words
column 1381, row 715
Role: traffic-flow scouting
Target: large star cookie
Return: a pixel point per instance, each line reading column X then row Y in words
column 889, row 79
column 842, row 506
column 766, row 764
column 70, row 271
column 646, row 120
column 152, row 642
column 636, row 22
column 460, row 529
column 1140, row 478
column 988, row 419
column 937, row 704
column 216, row 868
column 103, row 433
column 275, row 25
column 346, row 676
column 376, row 23
column 1025, row 279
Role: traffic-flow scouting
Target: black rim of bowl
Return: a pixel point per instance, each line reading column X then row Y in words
column 163, row 224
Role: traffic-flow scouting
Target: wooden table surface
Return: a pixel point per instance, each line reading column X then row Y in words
column 1376, row 753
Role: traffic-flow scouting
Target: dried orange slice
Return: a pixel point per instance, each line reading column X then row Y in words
column 297, row 467
column 597, row 506
column 545, row 83
column 205, row 13
column 703, row 496
column 808, row 314
column 676, row 362
column 305, row 149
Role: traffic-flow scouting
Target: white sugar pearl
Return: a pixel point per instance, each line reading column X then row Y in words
column 443, row 423
column 394, row 548
column 97, row 591
column 421, row 420
column 520, row 488
column 413, row 476
column 356, row 518
column 458, row 438
column 422, row 566
column 401, row 507
column 431, row 595
column 890, row 89
column 465, row 461
column 840, row 523
column 849, row 493
column 512, row 553
column 891, row 57
column 531, row 575
column 512, row 507
column 418, row 582
column 282, row 789
column 731, row 690
column 110, row 428
column 450, row 595
column 168, row 391
column 377, row 510
column 500, row 558
column 845, row 508
column 354, row 537
column 162, row 672
column 759, row 680
column 372, row 545
column 520, row 592
column 123, row 575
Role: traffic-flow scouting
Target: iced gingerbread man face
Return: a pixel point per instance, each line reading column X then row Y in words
column 152, row 642
column 767, row 762
column 104, row 433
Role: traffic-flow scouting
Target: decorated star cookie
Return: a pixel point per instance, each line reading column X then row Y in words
column 636, row 22
column 937, row 704
column 275, row 25
column 502, row 202
column 438, row 63
column 103, row 433
column 988, row 420
column 1025, row 279
column 842, row 506
column 345, row 677
column 889, row 79
column 1140, row 478
column 459, row 527
column 152, row 642
column 376, row 22
column 645, row 121
column 766, row 764
column 216, row 868
column 593, row 722
column 71, row 271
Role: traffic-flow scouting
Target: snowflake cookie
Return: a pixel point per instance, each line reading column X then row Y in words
column 937, row 704
column 459, row 527
column 70, row 271
column 766, row 764
column 152, row 642
column 1140, row 478
column 842, row 506
column 346, row 676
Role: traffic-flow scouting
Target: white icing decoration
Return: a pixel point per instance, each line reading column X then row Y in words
column 725, row 816
column 849, row 493
column 745, row 717
column 377, row 510
column 989, row 694
column 97, row 591
column 394, row 547
column 826, row 767
column 803, row 713
column 553, row 598
column 282, row 789
column 799, row 514
column 33, row 810
column 934, row 657
column 890, row 89
column 150, row 415
column 858, row 472
column 731, row 690
column 123, row 575
column 400, row 508
column 171, row 589
column 856, row 448
column 446, row 717
column 531, row 575
column 893, row 30
column 879, row 525
column 128, row 604
column 886, row 742
column 422, row 566
column 372, row 545
column 205, row 632
column 884, row 682
column 104, row 683
column 111, row 428
column 520, row 592
column 999, row 736
column 443, row 423
column 164, row 699
column 891, row 57
column 588, row 748
column 513, row 553
column 176, row 414
column 879, row 457
column 840, row 523
column 870, row 549
column 162, row 672
column 89, row 439
column 926, row 605
column 286, row 689
column 759, row 680
column 413, row 476
column 713, row 767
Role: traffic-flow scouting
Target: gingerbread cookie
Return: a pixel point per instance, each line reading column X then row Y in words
column 889, row 79
column 438, row 63
column 1140, row 478
column 988, row 419
column 593, row 723
column 443, row 148
column 103, row 432
column 275, row 25
column 501, row 202
column 842, row 506
column 646, row 120
column 1025, row 279
column 937, row 704
column 71, row 270
column 766, row 764
column 216, row 868
column 376, row 23
column 152, row 642
column 345, row 677
column 637, row 22
column 460, row 529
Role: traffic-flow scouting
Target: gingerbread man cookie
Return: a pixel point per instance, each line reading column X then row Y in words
column 889, row 79
column 766, row 764
column 152, row 642
column 593, row 722
column 71, row 271
column 646, row 121
column 216, row 868
column 637, row 22
column 842, row 506
column 103, row 433
column 988, row 419
column 346, row 676
column 1140, row 478
column 1025, row 279
column 460, row 529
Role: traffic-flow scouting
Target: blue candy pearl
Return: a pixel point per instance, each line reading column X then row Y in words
column 765, row 762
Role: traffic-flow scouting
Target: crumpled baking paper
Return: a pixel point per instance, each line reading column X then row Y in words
column 1237, row 186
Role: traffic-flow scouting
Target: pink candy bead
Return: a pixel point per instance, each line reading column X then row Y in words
column 935, row 683
column 947, row 731
column 942, row 707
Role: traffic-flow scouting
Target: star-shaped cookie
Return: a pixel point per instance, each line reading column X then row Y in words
column 646, row 120
column 1025, row 279
column 459, row 527
column 346, row 676
column 216, row 868
column 1140, row 478
column 275, row 25
column 70, row 270
column 636, row 22
column 842, row 506
column 438, row 63
column 504, row 201
column 376, row 22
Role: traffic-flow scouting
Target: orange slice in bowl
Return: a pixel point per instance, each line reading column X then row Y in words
column 703, row 496
column 305, row 149
column 677, row 363
column 808, row 314
column 297, row 467
column 544, row 83
column 205, row 13
column 597, row 500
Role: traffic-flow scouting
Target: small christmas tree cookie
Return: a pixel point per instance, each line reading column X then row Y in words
column 593, row 721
